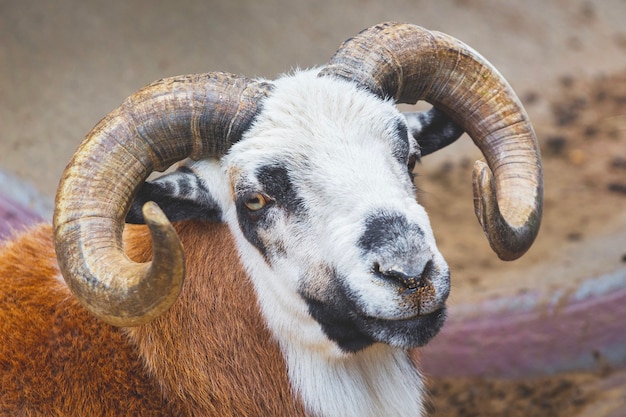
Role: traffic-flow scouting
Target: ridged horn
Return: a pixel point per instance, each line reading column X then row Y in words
column 194, row 116
column 409, row 63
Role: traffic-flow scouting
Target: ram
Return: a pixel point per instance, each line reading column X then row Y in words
column 309, row 271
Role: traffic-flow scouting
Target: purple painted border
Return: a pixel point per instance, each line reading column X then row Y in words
column 535, row 333
column 14, row 217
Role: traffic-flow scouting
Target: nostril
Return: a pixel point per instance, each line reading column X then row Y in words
column 428, row 270
column 407, row 279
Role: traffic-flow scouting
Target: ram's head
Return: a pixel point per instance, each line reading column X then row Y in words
column 313, row 174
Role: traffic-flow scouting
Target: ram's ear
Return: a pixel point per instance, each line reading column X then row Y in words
column 182, row 195
column 432, row 129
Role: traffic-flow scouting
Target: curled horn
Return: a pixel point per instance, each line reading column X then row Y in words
column 409, row 63
column 195, row 116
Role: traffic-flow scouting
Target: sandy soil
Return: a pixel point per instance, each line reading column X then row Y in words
column 568, row 395
column 584, row 154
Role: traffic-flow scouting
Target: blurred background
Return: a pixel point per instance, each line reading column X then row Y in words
column 65, row 64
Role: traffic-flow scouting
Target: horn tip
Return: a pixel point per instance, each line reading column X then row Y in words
column 153, row 214
column 508, row 241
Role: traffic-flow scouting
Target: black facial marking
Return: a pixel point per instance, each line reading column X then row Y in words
column 251, row 222
column 401, row 146
column 342, row 322
column 384, row 230
column 276, row 184
column 338, row 321
column 181, row 195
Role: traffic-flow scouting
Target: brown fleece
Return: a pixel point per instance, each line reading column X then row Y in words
column 209, row 355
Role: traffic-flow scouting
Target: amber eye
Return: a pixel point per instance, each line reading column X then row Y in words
column 255, row 201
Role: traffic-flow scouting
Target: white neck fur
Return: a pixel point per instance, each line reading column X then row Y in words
column 377, row 381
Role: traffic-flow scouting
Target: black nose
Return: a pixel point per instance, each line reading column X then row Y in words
column 405, row 277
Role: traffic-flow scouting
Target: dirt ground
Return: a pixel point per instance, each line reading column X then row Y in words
column 584, row 155
column 568, row 395
column 584, row 159
column 65, row 64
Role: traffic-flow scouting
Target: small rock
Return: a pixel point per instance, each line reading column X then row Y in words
column 555, row 145
column 616, row 187
column 619, row 162
column 577, row 156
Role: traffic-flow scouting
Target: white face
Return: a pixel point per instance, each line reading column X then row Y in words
column 324, row 199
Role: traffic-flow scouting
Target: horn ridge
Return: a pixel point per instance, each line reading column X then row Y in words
column 410, row 63
column 195, row 116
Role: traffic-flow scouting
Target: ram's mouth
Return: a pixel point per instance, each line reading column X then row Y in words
column 352, row 330
column 404, row 333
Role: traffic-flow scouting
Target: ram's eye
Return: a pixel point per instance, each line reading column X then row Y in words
column 413, row 158
column 255, row 201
